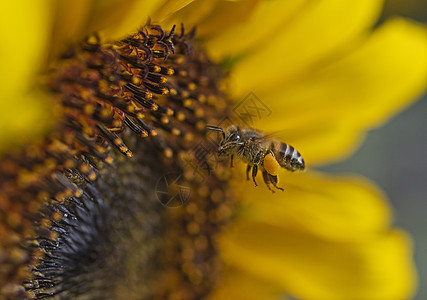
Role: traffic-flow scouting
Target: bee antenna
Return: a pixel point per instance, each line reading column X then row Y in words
column 216, row 128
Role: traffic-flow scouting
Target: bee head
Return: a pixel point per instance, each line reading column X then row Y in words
column 230, row 142
column 230, row 139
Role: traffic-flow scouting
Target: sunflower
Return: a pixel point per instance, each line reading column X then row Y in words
column 105, row 104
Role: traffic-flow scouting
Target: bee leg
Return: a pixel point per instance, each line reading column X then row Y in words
column 267, row 180
column 270, row 152
column 273, row 180
column 231, row 161
column 255, row 166
column 248, row 169
column 254, row 172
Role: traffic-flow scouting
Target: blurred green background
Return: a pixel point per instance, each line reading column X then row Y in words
column 395, row 157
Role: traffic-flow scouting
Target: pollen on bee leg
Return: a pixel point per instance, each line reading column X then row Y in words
column 271, row 165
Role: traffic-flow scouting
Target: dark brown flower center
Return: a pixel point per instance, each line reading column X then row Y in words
column 120, row 200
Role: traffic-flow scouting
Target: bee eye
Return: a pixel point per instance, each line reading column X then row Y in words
column 234, row 137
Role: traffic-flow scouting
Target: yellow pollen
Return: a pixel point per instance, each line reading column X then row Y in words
column 170, row 71
column 53, row 235
column 109, row 160
column 199, row 112
column 180, row 60
column 271, row 165
column 91, row 176
column 200, row 125
column 168, row 152
column 69, row 164
column 189, row 137
column 105, row 112
column 175, row 131
column 180, row 116
column 84, row 168
column 185, row 94
column 78, row 193
column 45, row 223
column 193, row 228
column 56, row 216
column 89, row 109
column 118, row 141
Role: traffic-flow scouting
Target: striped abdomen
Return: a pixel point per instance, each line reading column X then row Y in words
column 287, row 156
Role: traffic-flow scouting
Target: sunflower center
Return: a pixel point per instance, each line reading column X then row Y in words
column 119, row 199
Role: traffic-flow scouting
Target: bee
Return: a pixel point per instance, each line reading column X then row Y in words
column 258, row 151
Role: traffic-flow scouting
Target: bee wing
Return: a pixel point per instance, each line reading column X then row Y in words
column 275, row 135
column 283, row 135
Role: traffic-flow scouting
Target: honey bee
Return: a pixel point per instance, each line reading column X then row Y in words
column 258, row 151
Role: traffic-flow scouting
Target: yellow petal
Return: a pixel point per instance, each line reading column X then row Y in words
column 24, row 31
column 322, row 29
column 117, row 19
column 326, row 112
column 261, row 28
column 211, row 17
column 114, row 19
column 323, row 238
column 68, row 24
column 225, row 14
column 344, row 208
column 168, row 8
column 379, row 267
column 192, row 14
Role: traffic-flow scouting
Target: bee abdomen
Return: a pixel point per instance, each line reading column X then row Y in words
column 289, row 157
